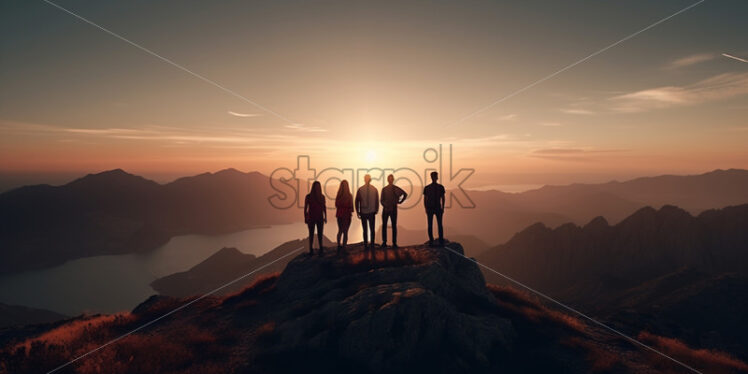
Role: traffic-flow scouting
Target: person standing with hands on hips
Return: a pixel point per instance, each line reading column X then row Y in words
column 391, row 196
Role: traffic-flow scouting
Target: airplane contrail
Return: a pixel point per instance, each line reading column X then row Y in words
column 734, row 58
column 235, row 114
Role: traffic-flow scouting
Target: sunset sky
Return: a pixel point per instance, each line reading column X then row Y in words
column 361, row 84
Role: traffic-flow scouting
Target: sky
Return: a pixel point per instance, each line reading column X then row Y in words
column 373, row 84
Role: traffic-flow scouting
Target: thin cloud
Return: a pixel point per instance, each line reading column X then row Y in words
column 566, row 151
column 558, row 151
column 243, row 115
column 305, row 128
column 691, row 60
column 508, row 117
column 491, row 139
column 551, row 124
column 719, row 87
column 734, row 57
column 583, row 112
column 107, row 131
column 571, row 154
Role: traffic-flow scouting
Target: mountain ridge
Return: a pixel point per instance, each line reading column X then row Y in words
column 115, row 212
column 664, row 269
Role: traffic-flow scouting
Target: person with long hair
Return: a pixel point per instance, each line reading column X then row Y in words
column 315, row 214
column 344, row 211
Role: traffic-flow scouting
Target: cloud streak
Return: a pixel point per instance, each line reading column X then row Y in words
column 304, row 128
column 508, row 117
column 583, row 112
column 243, row 115
column 734, row 57
column 691, row 60
column 572, row 154
column 719, row 87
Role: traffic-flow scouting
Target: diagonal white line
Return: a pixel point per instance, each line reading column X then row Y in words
column 172, row 63
column 630, row 339
column 173, row 311
column 567, row 67
column 734, row 57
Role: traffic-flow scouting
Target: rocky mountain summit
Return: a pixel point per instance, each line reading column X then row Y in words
column 413, row 309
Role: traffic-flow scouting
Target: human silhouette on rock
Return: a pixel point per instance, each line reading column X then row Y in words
column 392, row 195
column 367, row 207
column 433, row 201
column 315, row 214
column 344, row 210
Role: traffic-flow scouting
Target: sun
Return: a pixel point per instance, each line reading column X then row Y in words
column 370, row 155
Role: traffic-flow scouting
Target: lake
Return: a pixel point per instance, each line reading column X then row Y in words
column 113, row 283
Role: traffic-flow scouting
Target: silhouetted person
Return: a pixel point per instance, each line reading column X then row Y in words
column 315, row 214
column 433, row 200
column 391, row 196
column 367, row 206
column 344, row 205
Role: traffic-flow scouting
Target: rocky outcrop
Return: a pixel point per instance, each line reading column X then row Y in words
column 415, row 309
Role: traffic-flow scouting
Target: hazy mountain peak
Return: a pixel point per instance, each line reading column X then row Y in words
column 673, row 211
column 731, row 171
column 228, row 252
column 567, row 227
column 642, row 213
column 537, row 226
column 531, row 231
column 597, row 223
column 229, row 171
column 115, row 176
column 114, row 173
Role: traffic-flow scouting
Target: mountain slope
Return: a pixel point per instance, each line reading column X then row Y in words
column 415, row 309
column 573, row 261
column 703, row 310
column 664, row 270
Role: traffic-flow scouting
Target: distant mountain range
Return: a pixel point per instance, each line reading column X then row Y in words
column 115, row 212
column 650, row 243
column 666, row 270
column 497, row 215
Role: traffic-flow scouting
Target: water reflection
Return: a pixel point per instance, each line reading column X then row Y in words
column 107, row 284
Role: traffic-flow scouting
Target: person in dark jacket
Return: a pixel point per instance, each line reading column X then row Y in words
column 391, row 196
column 344, row 210
column 315, row 214
column 367, row 207
column 433, row 201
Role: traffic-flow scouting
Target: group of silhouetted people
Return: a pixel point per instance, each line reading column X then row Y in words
column 366, row 204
